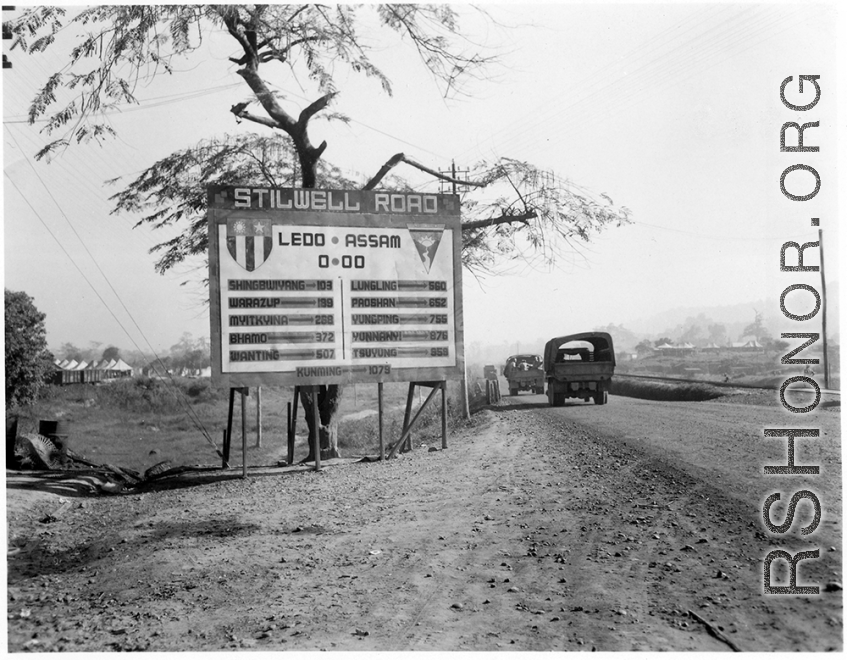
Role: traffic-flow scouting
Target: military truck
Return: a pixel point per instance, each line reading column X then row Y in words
column 524, row 372
column 579, row 366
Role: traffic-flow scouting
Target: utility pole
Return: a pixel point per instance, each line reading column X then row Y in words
column 259, row 416
column 466, row 409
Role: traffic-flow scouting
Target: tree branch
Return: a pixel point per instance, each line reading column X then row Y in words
column 385, row 169
column 402, row 158
column 230, row 19
column 239, row 111
column 314, row 108
column 501, row 220
column 281, row 54
column 266, row 98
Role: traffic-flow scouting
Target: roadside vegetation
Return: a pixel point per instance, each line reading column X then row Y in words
column 27, row 360
column 753, row 369
column 137, row 422
column 659, row 391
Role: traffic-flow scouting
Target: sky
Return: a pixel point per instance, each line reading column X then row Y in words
column 673, row 110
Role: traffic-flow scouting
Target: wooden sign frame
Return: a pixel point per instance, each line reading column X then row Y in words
column 313, row 287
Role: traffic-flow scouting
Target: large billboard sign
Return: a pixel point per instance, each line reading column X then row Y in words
column 334, row 286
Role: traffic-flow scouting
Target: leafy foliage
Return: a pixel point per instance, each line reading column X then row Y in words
column 120, row 45
column 28, row 362
column 521, row 213
column 154, row 395
column 191, row 354
column 624, row 338
column 524, row 213
column 717, row 333
column 530, row 214
column 644, row 347
column 171, row 192
column 757, row 329
column 94, row 352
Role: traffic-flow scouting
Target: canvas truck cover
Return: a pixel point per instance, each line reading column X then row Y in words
column 604, row 350
column 534, row 361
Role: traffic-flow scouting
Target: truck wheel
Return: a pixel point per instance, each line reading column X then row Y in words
column 513, row 391
column 539, row 390
column 601, row 398
column 559, row 399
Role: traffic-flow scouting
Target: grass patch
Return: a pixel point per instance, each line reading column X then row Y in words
column 661, row 391
column 360, row 436
column 138, row 422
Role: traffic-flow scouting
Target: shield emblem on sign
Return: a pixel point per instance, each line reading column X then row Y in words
column 249, row 241
column 426, row 239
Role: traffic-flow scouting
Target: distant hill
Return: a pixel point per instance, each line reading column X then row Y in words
column 669, row 323
column 734, row 317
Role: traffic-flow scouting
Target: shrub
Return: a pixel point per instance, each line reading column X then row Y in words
column 140, row 394
column 200, row 388
column 663, row 391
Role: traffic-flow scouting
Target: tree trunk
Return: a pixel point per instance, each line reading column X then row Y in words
column 329, row 399
column 308, row 157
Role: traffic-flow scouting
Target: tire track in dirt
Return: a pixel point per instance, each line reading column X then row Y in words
column 502, row 525
column 702, row 530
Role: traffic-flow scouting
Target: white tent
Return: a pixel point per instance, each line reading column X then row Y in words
column 121, row 366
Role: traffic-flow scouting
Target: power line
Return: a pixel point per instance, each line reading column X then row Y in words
column 167, row 100
column 645, row 73
column 555, row 111
column 721, row 237
column 74, row 174
column 665, row 74
column 198, row 423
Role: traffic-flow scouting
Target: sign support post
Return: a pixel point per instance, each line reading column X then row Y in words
column 316, row 421
column 258, row 417
column 404, row 443
column 292, row 427
column 244, row 432
column 444, row 414
column 379, row 391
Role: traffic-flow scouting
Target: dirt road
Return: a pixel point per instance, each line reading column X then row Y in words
column 577, row 528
